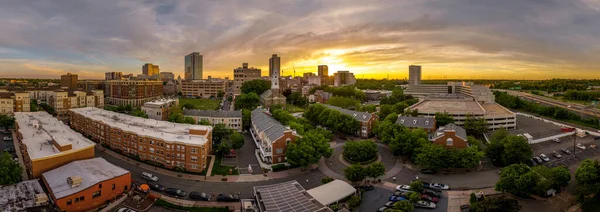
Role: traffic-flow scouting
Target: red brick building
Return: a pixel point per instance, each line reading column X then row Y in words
column 133, row 92
column 271, row 137
column 366, row 120
column 451, row 136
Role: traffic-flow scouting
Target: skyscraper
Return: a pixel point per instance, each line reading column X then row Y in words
column 344, row 78
column 323, row 71
column 193, row 66
column 414, row 75
column 150, row 69
column 274, row 65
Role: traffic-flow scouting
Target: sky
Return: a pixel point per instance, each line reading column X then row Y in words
column 454, row 39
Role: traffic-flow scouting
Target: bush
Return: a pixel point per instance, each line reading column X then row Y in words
column 278, row 167
column 360, row 151
column 326, row 180
column 354, row 202
column 473, row 198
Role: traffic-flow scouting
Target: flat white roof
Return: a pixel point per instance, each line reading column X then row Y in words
column 332, row 192
column 20, row 196
column 159, row 102
column 163, row 130
column 92, row 171
column 451, row 106
column 39, row 128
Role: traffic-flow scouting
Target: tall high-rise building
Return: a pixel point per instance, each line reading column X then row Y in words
column 69, row 80
column 414, row 75
column 344, row 78
column 274, row 65
column 244, row 74
column 150, row 69
column 193, row 66
column 323, row 71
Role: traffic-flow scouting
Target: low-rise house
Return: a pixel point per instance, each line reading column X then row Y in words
column 159, row 109
column 271, row 137
column 322, row 96
column 427, row 124
column 231, row 119
column 366, row 120
column 451, row 135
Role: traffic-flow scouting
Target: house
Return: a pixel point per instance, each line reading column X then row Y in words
column 366, row 120
column 231, row 119
column 322, row 96
column 270, row 137
column 159, row 109
column 427, row 124
column 451, row 135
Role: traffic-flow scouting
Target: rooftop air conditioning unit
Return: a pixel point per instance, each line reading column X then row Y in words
column 74, row 181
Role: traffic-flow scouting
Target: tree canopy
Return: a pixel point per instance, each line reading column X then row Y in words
column 360, row 151
column 308, row 149
column 521, row 180
column 331, row 119
column 442, row 119
column 247, row 101
column 588, row 181
column 344, row 102
column 510, row 150
column 257, row 86
column 7, row 121
column 475, row 126
column 10, row 170
column 296, row 98
column 355, row 173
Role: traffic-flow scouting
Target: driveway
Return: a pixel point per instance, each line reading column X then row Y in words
column 246, row 156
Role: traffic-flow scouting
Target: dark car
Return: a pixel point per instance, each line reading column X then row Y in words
column 597, row 138
column 465, row 208
column 532, row 162
column 366, row 187
column 428, row 171
column 425, row 184
column 175, row 192
column 156, row 187
column 9, row 149
column 432, row 193
column 199, row 196
column 566, row 151
column 538, row 160
column 228, row 198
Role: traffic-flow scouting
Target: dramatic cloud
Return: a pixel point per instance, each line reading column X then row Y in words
column 449, row 38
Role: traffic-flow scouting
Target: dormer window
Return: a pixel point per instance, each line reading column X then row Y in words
column 426, row 122
column 402, row 121
column 415, row 121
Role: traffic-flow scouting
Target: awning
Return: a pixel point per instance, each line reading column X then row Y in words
column 332, row 192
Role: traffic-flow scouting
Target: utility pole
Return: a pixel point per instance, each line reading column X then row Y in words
column 574, row 139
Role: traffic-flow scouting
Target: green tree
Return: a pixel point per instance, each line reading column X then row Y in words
column 588, row 180
column 355, row 173
column 561, row 176
column 297, row 99
column 375, row 170
column 475, row 126
column 7, row 121
column 237, row 140
column 432, row 156
column 204, row 122
column 404, row 206
column 414, row 197
column 516, row 150
column 219, row 133
column 417, row 186
column 354, row 202
column 247, row 101
column 442, row 119
column 246, row 119
column 308, row 149
column 360, row 151
column 517, row 179
column 499, row 135
column 391, row 118
column 220, row 94
column 257, row 86
column 385, row 110
column 10, row 170
column 343, row 102
column 139, row 113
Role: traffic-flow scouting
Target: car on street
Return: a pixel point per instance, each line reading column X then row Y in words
column 432, row 193
column 7, row 138
column 428, row 171
column 149, row 176
column 429, row 198
column 439, row 186
column 396, row 198
column 538, row 160
column 382, row 209
column 425, row 184
column 9, row 149
column 199, row 196
column 366, row 187
column 5, row 131
column 156, row 187
column 581, row 146
column 403, row 188
column 597, row 138
column 566, row 151
column 425, row 204
column 556, row 154
column 465, row 208
column 228, row 198
column 389, row 204
column 175, row 192
column 532, row 162
column 557, row 140
column 402, row 193
column 544, row 157
column 125, row 210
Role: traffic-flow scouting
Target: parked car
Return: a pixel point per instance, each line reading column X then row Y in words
column 403, row 188
column 556, row 154
column 228, row 198
column 175, row 192
column 7, row 138
column 9, row 149
column 199, row 196
column 425, row 204
column 156, row 187
column 125, row 210
column 389, row 204
column 556, row 140
column 149, row 176
column 432, row 193
column 382, row 209
column 439, row 186
column 402, row 193
column 428, row 171
column 366, row 187
column 396, row 198
column 465, row 208
column 580, row 146
column 544, row 157
column 532, row 162
column 597, row 138
column 566, row 151
column 538, row 160
column 429, row 198
column 5, row 131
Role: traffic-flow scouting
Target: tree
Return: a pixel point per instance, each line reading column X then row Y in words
column 343, row 102
column 499, row 135
column 414, row 197
column 247, row 101
column 139, row 113
column 404, row 206
column 360, row 151
column 354, row 173
column 561, row 176
column 204, row 122
column 7, row 121
column 219, row 133
column 499, row 204
column 588, row 180
column 296, row 98
column 308, row 149
column 220, row 94
column 237, row 140
column 517, row 179
column 442, row 119
column 391, row 118
column 385, row 110
column 375, row 170
column 354, row 202
column 246, row 118
column 10, row 170
column 516, row 150
column 475, row 126
column 416, row 186
column 257, row 86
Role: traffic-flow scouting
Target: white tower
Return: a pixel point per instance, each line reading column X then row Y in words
column 274, row 66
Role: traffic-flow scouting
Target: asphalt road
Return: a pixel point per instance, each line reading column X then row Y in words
column 308, row 180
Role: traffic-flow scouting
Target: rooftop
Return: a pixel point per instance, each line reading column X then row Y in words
column 416, row 122
column 163, row 130
column 39, row 129
column 492, row 110
column 92, row 171
column 267, row 124
column 359, row 116
column 20, row 196
column 159, row 102
column 286, row 197
column 460, row 132
column 451, row 106
column 332, row 192
column 212, row 113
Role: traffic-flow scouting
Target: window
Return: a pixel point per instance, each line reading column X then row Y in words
column 194, row 159
column 100, row 185
column 113, row 187
column 96, row 194
column 69, row 202
column 449, row 142
column 77, row 199
column 194, row 150
column 82, row 198
column 279, row 151
column 194, row 166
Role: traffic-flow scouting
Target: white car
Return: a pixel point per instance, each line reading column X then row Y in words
column 403, row 188
column 148, row 176
column 125, row 210
column 556, row 140
column 439, row 186
column 425, row 204
column 544, row 157
column 581, row 146
column 7, row 138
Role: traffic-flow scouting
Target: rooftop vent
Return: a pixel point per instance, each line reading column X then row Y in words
column 74, row 181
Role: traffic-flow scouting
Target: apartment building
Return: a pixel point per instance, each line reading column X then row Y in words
column 132, row 92
column 342, row 78
column 85, row 185
column 244, row 74
column 62, row 100
column 231, row 119
column 11, row 102
column 450, row 136
column 203, row 88
column 113, row 75
column 69, row 81
column 366, row 120
column 175, row 146
column 47, row 143
column 159, row 109
column 270, row 137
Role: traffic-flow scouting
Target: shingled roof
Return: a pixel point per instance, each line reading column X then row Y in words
column 359, row 116
column 460, row 132
column 416, row 122
column 267, row 124
column 212, row 113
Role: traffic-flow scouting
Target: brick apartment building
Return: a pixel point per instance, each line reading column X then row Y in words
column 427, row 124
column 270, row 137
column 366, row 120
column 449, row 136
column 171, row 144
column 203, row 88
column 133, row 92
column 231, row 119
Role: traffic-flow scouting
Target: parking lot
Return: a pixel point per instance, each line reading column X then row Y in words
column 373, row 200
column 536, row 128
column 7, row 145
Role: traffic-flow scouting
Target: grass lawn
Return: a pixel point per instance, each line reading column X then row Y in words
column 165, row 204
column 219, row 169
column 201, row 104
column 293, row 109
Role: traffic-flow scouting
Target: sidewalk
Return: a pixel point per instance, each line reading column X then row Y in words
column 458, row 198
column 189, row 203
column 19, row 155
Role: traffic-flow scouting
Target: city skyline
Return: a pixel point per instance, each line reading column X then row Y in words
column 458, row 39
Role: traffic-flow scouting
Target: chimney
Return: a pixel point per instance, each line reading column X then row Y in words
column 74, row 181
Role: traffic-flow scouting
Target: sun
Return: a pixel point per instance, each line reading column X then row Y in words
column 333, row 63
